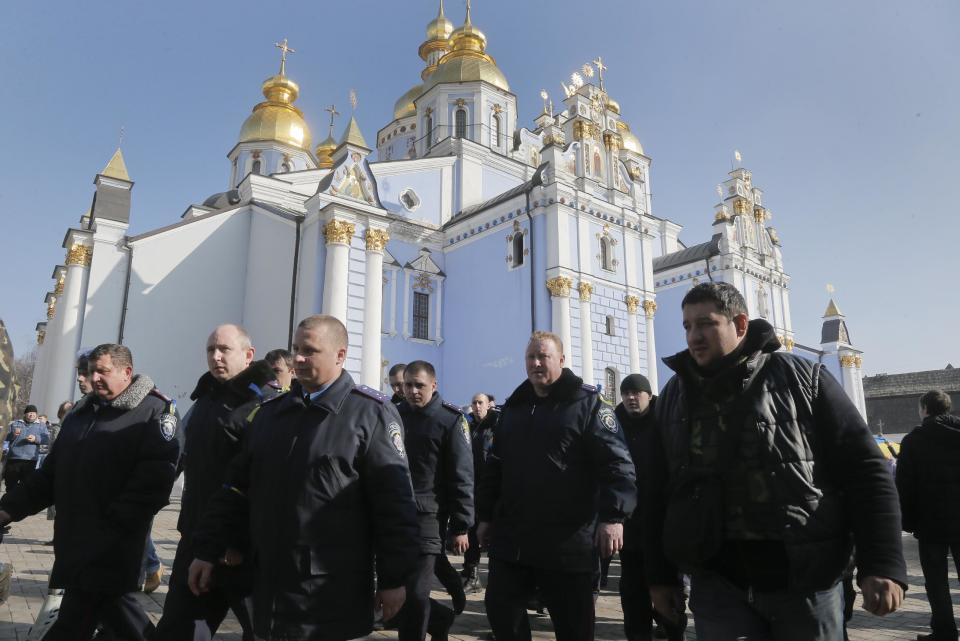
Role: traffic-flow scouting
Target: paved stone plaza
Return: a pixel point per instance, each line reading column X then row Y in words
column 32, row 561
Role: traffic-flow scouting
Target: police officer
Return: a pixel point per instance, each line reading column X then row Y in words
column 555, row 490
column 22, row 446
column 395, row 376
column 485, row 418
column 441, row 466
column 109, row 472
column 319, row 491
column 223, row 398
column 281, row 362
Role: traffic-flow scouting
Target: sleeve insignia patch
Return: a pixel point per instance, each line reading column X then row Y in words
column 395, row 434
column 608, row 419
column 465, row 429
column 168, row 422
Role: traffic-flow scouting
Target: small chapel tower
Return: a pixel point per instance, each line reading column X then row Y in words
column 840, row 356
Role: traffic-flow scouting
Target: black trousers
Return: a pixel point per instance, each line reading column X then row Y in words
column 187, row 617
column 471, row 557
column 420, row 614
column 638, row 612
column 15, row 471
column 80, row 612
column 568, row 597
column 933, row 561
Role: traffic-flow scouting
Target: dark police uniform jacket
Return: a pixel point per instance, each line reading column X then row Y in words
column 109, row 472
column 441, row 467
column 319, row 489
column 638, row 432
column 213, row 429
column 558, row 465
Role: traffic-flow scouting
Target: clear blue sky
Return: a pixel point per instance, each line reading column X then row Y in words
column 848, row 114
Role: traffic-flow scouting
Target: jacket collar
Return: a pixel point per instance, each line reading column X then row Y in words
column 332, row 398
column 434, row 403
column 139, row 388
column 257, row 373
column 563, row 387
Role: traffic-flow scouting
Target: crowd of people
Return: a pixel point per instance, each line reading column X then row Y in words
column 316, row 509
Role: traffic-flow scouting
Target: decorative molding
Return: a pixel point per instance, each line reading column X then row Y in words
column 376, row 239
column 58, row 289
column 613, row 141
column 858, row 361
column 79, row 255
column 51, row 308
column 649, row 308
column 848, row 360
column 423, row 281
column 633, row 303
column 41, row 335
column 586, row 291
column 338, row 232
column 560, row 286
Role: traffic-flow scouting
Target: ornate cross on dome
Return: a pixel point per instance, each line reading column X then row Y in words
column 285, row 49
column 600, row 69
column 332, row 110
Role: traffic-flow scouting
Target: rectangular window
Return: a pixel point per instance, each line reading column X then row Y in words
column 421, row 315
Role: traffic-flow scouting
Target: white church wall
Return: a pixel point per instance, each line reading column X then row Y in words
column 311, row 270
column 106, row 281
column 269, row 281
column 612, row 351
column 356, row 283
column 495, row 182
column 426, row 187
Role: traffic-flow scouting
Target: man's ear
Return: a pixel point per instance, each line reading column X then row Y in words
column 741, row 322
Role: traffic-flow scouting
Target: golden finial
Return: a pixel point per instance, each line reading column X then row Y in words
column 467, row 21
column 284, row 49
column 600, row 69
column 353, row 100
column 440, row 15
column 545, row 96
column 737, row 156
column 830, row 288
column 332, row 110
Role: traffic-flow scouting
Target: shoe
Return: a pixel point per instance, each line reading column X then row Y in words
column 153, row 580
column 440, row 631
column 471, row 584
column 458, row 597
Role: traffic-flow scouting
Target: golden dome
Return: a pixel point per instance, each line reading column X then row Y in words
column 468, row 60
column 404, row 106
column 630, row 142
column 276, row 118
column 439, row 28
column 324, row 152
column 613, row 105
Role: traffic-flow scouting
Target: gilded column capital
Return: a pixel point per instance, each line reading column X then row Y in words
column 848, row 360
column 789, row 344
column 79, row 255
column 376, row 239
column 586, row 291
column 633, row 303
column 759, row 214
column 338, row 232
column 58, row 289
column 560, row 286
column 649, row 308
column 612, row 140
column 858, row 361
column 51, row 309
column 41, row 335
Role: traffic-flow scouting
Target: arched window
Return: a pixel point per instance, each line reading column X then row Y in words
column 256, row 167
column 495, row 131
column 460, row 124
column 606, row 254
column 611, row 328
column 421, row 315
column 611, row 383
column 597, row 164
column 429, row 126
column 517, row 249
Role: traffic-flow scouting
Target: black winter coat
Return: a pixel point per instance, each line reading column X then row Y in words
column 638, row 432
column 441, row 467
column 928, row 479
column 109, row 472
column 320, row 489
column 558, row 465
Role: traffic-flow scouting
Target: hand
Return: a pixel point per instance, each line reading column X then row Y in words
column 609, row 538
column 668, row 601
column 390, row 600
column 483, row 534
column 199, row 576
column 459, row 544
column 31, row 439
column 16, row 432
column 881, row 595
column 231, row 558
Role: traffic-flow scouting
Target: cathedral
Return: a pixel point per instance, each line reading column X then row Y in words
column 448, row 236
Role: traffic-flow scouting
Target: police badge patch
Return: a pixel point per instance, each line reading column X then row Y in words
column 396, row 438
column 608, row 419
column 168, row 425
column 465, row 429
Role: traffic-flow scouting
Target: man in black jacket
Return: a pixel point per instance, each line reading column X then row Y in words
column 485, row 418
column 319, row 492
column 635, row 413
column 762, row 471
column 554, row 491
column 214, row 428
column 109, row 472
column 928, row 479
column 437, row 440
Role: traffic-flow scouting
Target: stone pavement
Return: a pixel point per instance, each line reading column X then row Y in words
column 32, row 561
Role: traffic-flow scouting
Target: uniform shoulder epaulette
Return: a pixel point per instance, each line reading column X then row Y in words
column 453, row 408
column 591, row 389
column 160, row 395
column 369, row 392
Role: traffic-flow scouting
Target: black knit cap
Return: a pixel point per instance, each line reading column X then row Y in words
column 29, row 408
column 635, row 383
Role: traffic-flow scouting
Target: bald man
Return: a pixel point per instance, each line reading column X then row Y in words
column 232, row 386
column 320, row 492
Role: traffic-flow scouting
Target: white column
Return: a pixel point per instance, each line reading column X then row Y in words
column 439, row 308
column 560, row 311
column 39, row 368
column 633, row 336
column 373, row 308
column 70, row 310
column 406, row 304
column 858, row 386
column 338, row 234
column 586, row 334
column 649, row 309
column 847, row 370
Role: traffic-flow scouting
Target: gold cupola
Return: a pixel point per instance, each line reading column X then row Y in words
column 431, row 51
column 324, row 151
column 468, row 60
column 630, row 141
column 277, row 119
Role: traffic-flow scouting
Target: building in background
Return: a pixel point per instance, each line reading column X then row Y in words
column 893, row 400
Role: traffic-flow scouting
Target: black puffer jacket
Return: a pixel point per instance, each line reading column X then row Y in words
column 828, row 478
column 928, row 479
column 109, row 472
column 558, row 465
column 638, row 431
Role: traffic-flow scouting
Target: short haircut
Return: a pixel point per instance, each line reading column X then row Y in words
column 541, row 335
column 490, row 397
column 330, row 324
column 936, row 402
column 483, row 394
column 245, row 341
column 277, row 355
column 83, row 363
column 416, row 367
column 65, row 407
column 397, row 369
column 726, row 297
column 119, row 354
